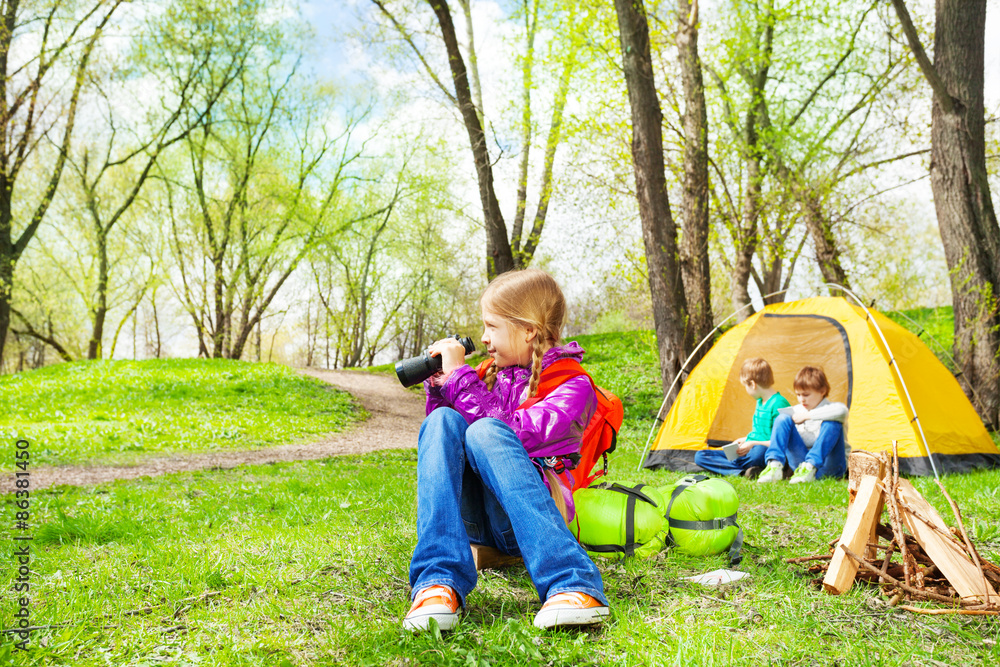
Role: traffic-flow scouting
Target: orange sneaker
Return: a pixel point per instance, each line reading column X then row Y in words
column 437, row 602
column 571, row 609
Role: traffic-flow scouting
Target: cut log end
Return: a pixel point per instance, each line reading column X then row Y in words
column 489, row 558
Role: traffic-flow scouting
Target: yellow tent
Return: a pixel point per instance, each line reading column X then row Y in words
column 856, row 347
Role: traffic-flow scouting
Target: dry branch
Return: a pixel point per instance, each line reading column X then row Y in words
column 969, row 612
column 896, row 582
column 965, row 537
column 806, row 559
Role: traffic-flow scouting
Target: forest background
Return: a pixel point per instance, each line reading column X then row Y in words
column 304, row 182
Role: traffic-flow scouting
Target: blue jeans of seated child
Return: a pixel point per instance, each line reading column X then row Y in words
column 828, row 454
column 476, row 483
column 714, row 460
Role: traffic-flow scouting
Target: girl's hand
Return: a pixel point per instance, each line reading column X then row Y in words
column 452, row 355
column 744, row 449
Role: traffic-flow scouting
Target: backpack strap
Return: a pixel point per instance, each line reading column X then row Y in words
column 735, row 557
column 553, row 376
column 483, row 367
column 634, row 494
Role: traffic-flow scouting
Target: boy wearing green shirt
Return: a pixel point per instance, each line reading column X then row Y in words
column 758, row 379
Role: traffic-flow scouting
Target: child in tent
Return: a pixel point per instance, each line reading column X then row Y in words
column 812, row 439
column 483, row 466
column 757, row 378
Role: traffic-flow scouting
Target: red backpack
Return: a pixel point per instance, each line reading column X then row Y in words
column 601, row 435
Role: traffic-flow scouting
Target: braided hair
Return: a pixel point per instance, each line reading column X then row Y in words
column 529, row 298
column 491, row 376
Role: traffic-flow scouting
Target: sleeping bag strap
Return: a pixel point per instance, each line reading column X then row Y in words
column 735, row 557
column 634, row 494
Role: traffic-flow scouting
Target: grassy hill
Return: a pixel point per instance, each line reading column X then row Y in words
column 118, row 411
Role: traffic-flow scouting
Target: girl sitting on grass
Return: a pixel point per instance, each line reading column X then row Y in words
column 481, row 463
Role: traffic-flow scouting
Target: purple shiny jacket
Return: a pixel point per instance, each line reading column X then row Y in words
column 551, row 427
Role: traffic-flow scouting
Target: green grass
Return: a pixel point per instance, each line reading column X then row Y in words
column 306, row 564
column 119, row 411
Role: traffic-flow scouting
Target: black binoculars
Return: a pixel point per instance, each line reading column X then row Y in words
column 417, row 369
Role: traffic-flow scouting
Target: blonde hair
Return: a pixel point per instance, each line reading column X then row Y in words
column 758, row 370
column 811, row 377
column 529, row 298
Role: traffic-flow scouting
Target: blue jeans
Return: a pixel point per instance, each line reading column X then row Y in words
column 828, row 454
column 476, row 483
column 714, row 460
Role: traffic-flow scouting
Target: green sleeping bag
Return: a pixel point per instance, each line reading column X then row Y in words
column 702, row 517
column 615, row 521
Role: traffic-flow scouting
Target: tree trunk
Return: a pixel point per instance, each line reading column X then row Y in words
column 966, row 218
column 499, row 257
column 658, row 231
column 219, row 331
column 6, row 287
column 746, row 238
column 527, row 69
column 740, row 279
column 156, row 324
column 694, row 237
column 824, row 243
column 95, row 348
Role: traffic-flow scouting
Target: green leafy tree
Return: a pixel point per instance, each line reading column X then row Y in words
column 191, row 54
column 803, row 121
column 569, row 22
column 45, row 57
column 262, row 185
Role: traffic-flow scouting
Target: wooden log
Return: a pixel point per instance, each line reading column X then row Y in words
column 949, row 556
column 872, row 551
column 494, row 559
column 861, row 518
column 860, row 464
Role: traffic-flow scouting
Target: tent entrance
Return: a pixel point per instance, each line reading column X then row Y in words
column 804, row 340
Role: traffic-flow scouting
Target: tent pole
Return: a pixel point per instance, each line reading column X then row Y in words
column 895, row 367
column 659, row 414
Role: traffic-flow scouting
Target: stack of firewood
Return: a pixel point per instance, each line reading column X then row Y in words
column 914, row 556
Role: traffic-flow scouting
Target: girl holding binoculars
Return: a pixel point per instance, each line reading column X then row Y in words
column 483, row 464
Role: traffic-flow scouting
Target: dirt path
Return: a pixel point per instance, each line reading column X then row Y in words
column 395, row 416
